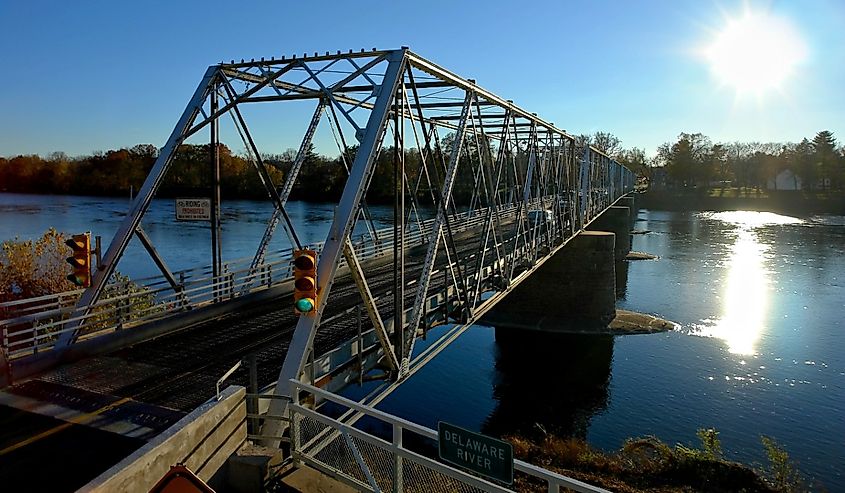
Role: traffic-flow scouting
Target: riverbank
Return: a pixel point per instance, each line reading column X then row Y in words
column 784, row 202
column 648, row 464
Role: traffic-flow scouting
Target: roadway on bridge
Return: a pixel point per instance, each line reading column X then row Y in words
column 136, row 392
column 33, row 451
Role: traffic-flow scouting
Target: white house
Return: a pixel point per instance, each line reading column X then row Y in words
column 785, row 180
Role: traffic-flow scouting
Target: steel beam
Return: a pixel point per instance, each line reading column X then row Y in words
column 160, row 263
column 214, row 191
column 284, row 192
column 262, row 83
column 263, row 175
column 437, row 229
column 496, row 116
column 284, row 60
column 421, row 85
column 443, row 74
column 345, row 215
column 357, row 274
column 139, row 207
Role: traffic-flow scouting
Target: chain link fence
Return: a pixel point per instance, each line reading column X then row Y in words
column 366, row 448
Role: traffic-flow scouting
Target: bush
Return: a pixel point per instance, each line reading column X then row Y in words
column 649, row 464
column 140, row 304
column 29, row 269
column 782, row 472
column 710, row 443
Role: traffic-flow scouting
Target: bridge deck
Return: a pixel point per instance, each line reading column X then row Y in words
column 139, row 391
column 179, row 371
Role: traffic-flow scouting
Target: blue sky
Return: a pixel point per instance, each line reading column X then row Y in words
column 87, row 76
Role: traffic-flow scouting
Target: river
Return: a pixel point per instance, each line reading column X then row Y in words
column 760, row 350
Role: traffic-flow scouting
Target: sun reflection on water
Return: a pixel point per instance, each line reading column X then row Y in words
column 746, row 288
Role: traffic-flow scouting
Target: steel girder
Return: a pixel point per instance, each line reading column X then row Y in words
column 142, row 201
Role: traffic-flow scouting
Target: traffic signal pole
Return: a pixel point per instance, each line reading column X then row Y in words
column 214, row 156
column 398, row 233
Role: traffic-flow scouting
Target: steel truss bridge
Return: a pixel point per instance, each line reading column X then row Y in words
column 508, row 190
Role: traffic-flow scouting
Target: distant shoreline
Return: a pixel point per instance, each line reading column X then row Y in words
column 785, row 202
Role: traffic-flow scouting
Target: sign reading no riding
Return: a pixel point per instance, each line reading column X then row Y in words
column 473, row 451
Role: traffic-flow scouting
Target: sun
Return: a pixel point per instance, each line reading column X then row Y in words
column 755, row 53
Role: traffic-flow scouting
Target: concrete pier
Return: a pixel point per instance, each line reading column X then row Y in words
column 630, row 202
column 616, row 219
column 574, row 291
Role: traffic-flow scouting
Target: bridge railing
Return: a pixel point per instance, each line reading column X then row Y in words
column 375, row 451
column 33, row 325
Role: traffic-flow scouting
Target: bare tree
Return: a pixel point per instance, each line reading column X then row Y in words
column 607, row 143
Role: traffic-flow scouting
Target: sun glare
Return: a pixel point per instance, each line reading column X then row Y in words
column 755, row 53
column 745, row 289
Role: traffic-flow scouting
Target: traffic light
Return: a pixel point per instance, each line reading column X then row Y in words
column 305, row 281
column 81, row 259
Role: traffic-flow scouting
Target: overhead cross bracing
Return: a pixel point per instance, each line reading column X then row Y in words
column 461, row 161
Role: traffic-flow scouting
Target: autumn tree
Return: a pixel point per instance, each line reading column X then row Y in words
column 33, row 268
column 635, row 160
column 719, row 163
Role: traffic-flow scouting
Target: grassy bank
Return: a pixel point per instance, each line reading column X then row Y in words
column 647, row 464
column 722, row 199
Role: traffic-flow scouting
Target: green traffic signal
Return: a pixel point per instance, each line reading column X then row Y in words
column 77, row 280
column 305, row 281
column 305, row 305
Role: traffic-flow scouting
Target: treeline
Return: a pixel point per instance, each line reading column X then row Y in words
column 117, row 172
column 634, row 158
column 320, row 179
column 695, row 161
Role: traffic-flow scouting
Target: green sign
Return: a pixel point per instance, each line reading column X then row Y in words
column 478, row 453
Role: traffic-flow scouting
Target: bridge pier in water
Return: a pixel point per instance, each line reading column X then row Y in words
column 630, row 201
column 574, row 291
column 616, row 219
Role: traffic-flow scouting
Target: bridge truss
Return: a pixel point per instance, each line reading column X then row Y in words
column 484, row 193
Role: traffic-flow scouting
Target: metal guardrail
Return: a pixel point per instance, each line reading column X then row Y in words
column 373, row 463
column 33, row 325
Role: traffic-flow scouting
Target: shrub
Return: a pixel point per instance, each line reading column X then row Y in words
column 710, row 443
column 29, row 269
column 782, row 472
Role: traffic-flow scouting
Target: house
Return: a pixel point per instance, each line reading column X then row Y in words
column 785, row 180
column 823, row 184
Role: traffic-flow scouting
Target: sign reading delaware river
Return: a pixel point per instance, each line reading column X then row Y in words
column 478, row 453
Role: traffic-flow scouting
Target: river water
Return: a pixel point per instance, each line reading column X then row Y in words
column 760, row 349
